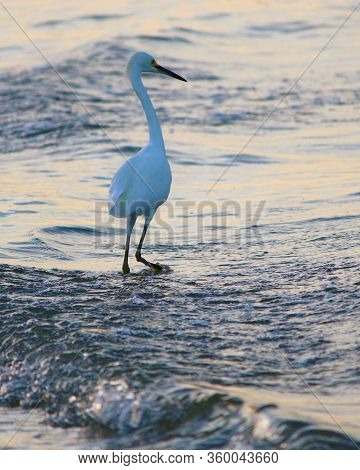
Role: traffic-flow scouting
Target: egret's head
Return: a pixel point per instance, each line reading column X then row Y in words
column 144, row 62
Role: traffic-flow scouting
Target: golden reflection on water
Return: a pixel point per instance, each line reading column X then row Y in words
column 309, row 165
column 57, row 27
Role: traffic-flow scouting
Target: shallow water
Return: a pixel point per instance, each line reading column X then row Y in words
column 249, row 338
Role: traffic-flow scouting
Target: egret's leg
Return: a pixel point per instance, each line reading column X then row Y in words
column 130, row 225
column 139, row 258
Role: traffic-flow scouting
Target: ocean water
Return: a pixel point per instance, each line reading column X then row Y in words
column 249, row 337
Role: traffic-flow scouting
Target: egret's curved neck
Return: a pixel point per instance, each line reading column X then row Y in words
column 155, row 133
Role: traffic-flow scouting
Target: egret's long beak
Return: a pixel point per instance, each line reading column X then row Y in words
column 165, row 71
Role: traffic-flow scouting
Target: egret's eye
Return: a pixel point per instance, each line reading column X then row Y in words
column 153, row 63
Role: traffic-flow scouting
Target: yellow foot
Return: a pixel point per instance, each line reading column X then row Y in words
column 155, row 266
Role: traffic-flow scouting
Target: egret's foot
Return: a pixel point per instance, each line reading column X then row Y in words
column 125, row 268
column 154, row 266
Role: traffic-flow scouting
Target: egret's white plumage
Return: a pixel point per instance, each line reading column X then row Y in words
column 143, row 182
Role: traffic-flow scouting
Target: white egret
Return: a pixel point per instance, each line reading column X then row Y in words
column 143, row 182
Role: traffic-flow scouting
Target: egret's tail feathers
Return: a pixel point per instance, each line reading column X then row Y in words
column 117, row 209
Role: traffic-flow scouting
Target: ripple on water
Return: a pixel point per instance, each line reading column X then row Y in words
column 286, row 27
column 201, row 416
column 166, row 38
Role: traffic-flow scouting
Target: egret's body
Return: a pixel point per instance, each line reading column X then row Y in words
column 141, row 185
column 143, row 182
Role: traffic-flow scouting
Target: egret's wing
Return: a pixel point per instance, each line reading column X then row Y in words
column 115, row 196
column 130, row 182
column 117, row 191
